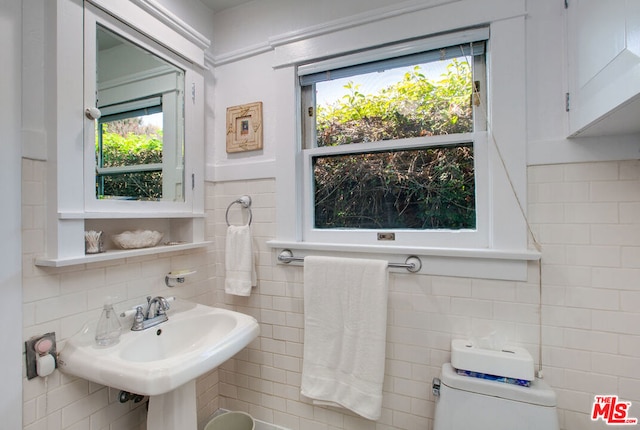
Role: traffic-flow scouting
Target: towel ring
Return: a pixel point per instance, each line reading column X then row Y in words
column 245, row 202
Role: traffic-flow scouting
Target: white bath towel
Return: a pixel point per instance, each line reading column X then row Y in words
column 345, row 326
column 239, row 263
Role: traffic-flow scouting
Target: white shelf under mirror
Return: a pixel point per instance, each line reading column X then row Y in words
column 128, row 215
column 179, row 233
column 118, row 254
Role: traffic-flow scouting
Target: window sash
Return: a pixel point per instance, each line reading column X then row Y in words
column 400, row 205
column 465, row 238
column 307, row 92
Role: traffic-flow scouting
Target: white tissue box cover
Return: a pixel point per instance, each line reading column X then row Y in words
column 510, row 361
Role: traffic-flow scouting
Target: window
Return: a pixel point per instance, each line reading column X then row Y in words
column 397, row 145
column 496, row 246
column 129, row 143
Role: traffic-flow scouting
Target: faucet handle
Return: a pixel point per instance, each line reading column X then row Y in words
column 163, row 306
column 139, row 315
column 138, row 319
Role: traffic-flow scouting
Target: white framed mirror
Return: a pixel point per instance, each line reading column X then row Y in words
column 69, row 72
column 139, row 96
column 139, row 148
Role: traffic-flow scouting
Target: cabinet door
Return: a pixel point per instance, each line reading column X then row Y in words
column 604, row 64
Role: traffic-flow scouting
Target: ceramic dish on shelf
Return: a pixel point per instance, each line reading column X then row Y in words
column 137, row 239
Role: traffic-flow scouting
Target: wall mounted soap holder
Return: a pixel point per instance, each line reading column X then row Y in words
column 177, row 277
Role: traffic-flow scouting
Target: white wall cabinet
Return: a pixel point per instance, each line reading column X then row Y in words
column 604, row 67
column 71, row 204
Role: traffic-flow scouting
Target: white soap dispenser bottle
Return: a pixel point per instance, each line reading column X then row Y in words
column 109, row 327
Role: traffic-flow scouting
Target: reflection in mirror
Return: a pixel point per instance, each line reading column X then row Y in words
column 140, row 133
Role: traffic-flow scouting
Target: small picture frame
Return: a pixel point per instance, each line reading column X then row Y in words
column 244, row 127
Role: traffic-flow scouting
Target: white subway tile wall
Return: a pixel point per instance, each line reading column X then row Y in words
column 584, row 215
column 425, row 314
column 64, row 299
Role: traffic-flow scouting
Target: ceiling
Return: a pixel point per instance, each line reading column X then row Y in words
column 220, row 5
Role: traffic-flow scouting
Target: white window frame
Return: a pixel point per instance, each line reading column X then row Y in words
column 507, row 252
column 445, row 238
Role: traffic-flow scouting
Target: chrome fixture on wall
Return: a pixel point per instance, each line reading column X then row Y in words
column 413, row 263
column 245, row 202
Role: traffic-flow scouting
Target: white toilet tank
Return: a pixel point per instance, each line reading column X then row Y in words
column 469, row 403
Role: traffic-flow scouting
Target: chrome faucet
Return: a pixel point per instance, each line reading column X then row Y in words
column 155, row 314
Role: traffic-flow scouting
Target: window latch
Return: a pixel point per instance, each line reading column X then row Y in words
column 475, row 95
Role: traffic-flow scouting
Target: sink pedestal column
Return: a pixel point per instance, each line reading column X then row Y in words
column 174, row 410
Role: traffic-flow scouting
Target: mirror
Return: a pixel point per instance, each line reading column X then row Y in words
column 139, row 145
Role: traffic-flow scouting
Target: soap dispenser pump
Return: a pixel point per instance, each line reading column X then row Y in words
column 109, row 327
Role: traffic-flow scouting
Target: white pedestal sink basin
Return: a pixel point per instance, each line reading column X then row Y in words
column 162, row 361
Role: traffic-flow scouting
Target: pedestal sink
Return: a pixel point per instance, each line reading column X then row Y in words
column 162, row 362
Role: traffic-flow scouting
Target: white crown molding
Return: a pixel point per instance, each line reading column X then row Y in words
column 363, row 18
column 159, row 24
column 171, row 20
column 410, row 6
column 163, row 15
column 241, row 54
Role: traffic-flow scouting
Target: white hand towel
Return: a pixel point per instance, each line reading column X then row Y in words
column 239, row 264
column 345, row 326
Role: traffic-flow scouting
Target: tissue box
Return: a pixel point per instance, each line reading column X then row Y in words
column 511, row 362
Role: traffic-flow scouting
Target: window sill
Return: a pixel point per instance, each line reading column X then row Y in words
column 502, row 264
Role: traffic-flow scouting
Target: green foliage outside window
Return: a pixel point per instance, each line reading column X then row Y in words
column 129, row 144
column 427, row 188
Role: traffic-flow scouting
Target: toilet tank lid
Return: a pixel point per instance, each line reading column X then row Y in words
column 539, row 393
column 511, row 362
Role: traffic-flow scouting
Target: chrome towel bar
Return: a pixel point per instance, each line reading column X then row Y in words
column 413, row 264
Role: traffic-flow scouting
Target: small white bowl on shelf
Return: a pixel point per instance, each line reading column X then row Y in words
column 137, row 239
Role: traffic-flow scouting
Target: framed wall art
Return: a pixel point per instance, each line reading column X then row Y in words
column 244, row 127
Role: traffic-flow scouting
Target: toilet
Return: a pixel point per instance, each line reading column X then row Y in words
column 466, row 402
